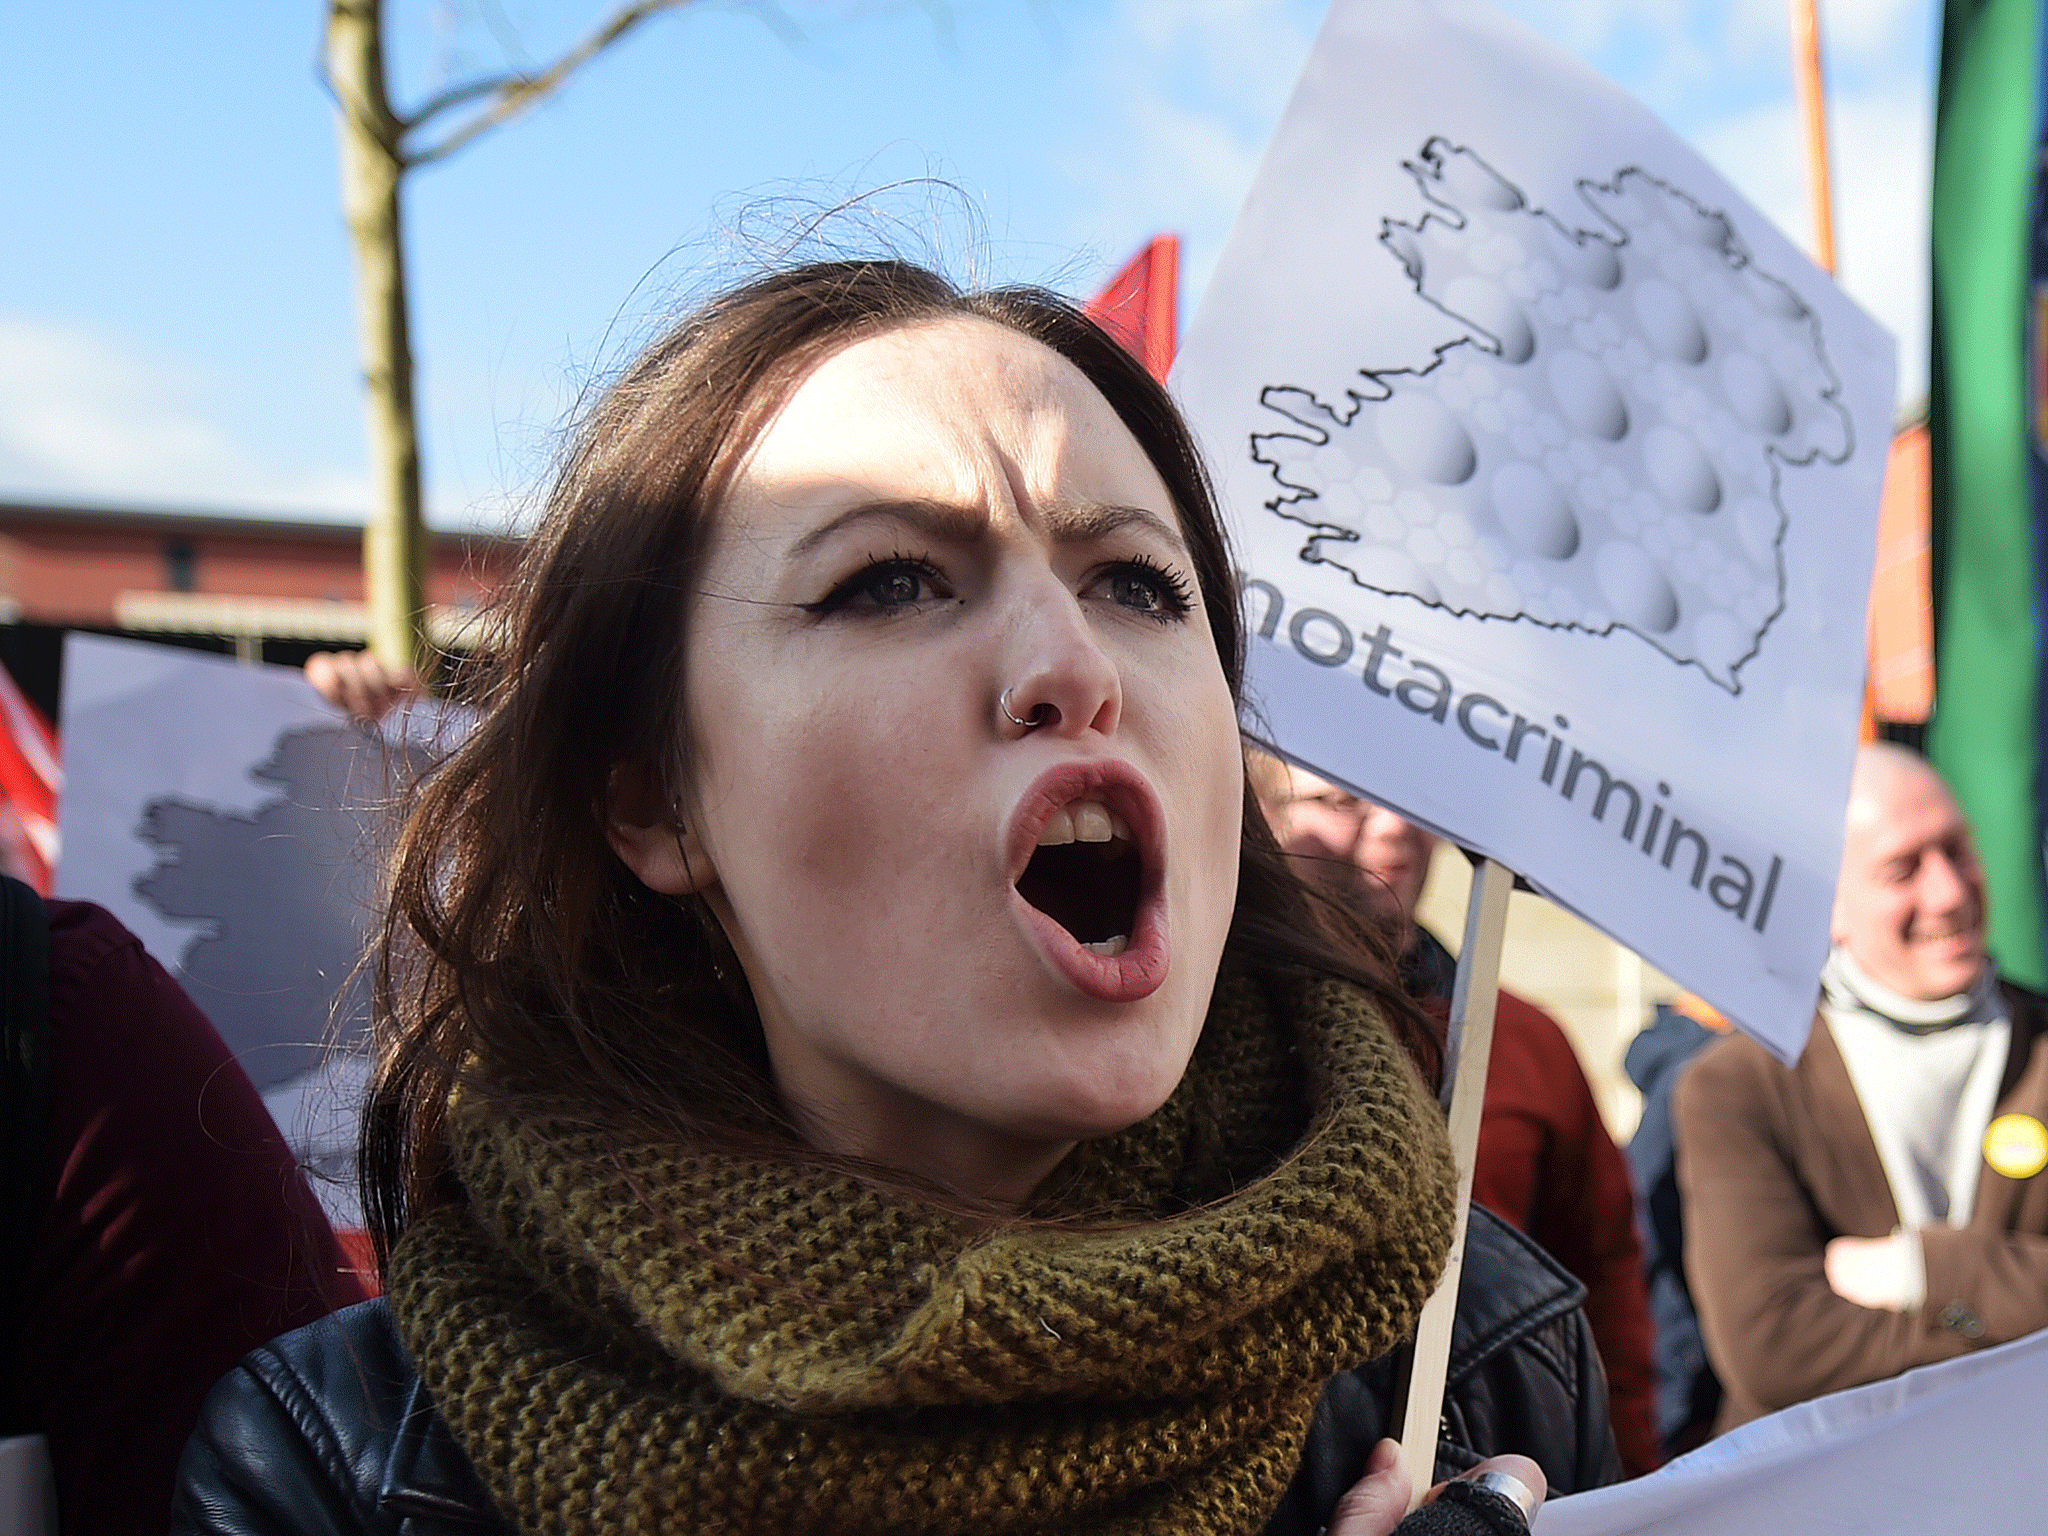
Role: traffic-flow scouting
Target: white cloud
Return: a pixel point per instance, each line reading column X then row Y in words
column 85, row 417
column 1196, row 88
column 1248, row 52
column 1685, row 59
column 1724, row 32
column 1669, row 51
column 1874, row 29
column 1188, row 163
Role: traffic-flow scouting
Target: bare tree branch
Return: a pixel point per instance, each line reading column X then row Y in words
column 519, row 92
column 460, row 95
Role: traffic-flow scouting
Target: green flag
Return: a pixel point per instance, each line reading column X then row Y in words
column 1987, row 473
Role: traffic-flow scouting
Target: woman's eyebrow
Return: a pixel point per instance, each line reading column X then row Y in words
column 948, row 523
column 936, row 520
column 1077, row 523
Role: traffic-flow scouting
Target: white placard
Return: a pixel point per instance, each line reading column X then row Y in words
column 236, row 824
column 1554, row 469
column 1955, row 1446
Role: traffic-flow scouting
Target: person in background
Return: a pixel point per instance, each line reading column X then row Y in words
column 158, row 1225
column 167, row 1229
column 1546, row 1162
column 1688, row 1392
column 1880, row 1205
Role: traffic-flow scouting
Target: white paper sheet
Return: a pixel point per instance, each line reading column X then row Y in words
column 1952, row 1447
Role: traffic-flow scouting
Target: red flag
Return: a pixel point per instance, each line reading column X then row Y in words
column 1141, row 305
column 30, row 780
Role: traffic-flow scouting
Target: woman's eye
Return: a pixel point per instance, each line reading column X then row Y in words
column 885, row 586
column 1149, row 589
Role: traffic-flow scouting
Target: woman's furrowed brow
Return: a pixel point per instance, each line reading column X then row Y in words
column 949, row 523
column 939, row 521
column 1079, row 523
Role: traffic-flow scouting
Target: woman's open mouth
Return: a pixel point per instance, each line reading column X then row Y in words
column 1092, row 876
column 1085, row 876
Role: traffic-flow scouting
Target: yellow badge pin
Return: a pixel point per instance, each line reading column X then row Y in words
column 2016, row 1146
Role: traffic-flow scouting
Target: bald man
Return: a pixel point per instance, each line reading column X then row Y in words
column 1545, row 1163
column 1882, row 1204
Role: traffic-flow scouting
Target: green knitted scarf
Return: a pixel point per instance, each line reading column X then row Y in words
column 627, row 1336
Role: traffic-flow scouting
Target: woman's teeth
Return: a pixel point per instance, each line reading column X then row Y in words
column 1085, row 821
column 1085, row 876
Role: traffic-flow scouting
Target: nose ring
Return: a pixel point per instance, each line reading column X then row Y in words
column 1036, row 718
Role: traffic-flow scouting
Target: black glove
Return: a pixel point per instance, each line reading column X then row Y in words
column 1466, row 1508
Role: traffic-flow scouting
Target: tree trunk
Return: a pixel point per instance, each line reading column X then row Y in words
column 372, row 166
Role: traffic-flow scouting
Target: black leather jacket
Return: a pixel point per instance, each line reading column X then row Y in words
column 328, row 1431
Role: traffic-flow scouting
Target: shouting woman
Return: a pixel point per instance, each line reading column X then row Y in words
column 851, row 1056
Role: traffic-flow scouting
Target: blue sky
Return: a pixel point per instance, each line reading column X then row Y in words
column 176, row 315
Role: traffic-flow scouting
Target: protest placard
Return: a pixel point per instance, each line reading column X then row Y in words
column 235, row 823
column 1554, row 470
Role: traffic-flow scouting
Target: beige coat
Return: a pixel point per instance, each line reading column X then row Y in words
column 1772, row 1163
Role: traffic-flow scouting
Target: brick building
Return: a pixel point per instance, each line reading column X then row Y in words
column 266, row 589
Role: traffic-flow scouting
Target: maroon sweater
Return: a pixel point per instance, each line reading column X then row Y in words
column 179, row 1232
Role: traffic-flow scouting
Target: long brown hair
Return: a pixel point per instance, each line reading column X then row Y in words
column 516, row 947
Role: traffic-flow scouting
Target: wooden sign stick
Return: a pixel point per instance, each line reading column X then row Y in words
column 1468, row 1045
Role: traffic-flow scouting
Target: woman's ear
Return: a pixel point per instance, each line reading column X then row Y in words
column 648, row 832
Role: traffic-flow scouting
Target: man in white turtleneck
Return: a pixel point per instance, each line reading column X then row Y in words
column 1882, row 1204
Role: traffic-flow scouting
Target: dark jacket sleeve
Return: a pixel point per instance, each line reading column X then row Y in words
column 1524, row 1377
column 329, row 1430
column 324, row 1432
column 1525, row 1373
column 178, row 1232
column 1989, row 1280
column 264, row 1462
